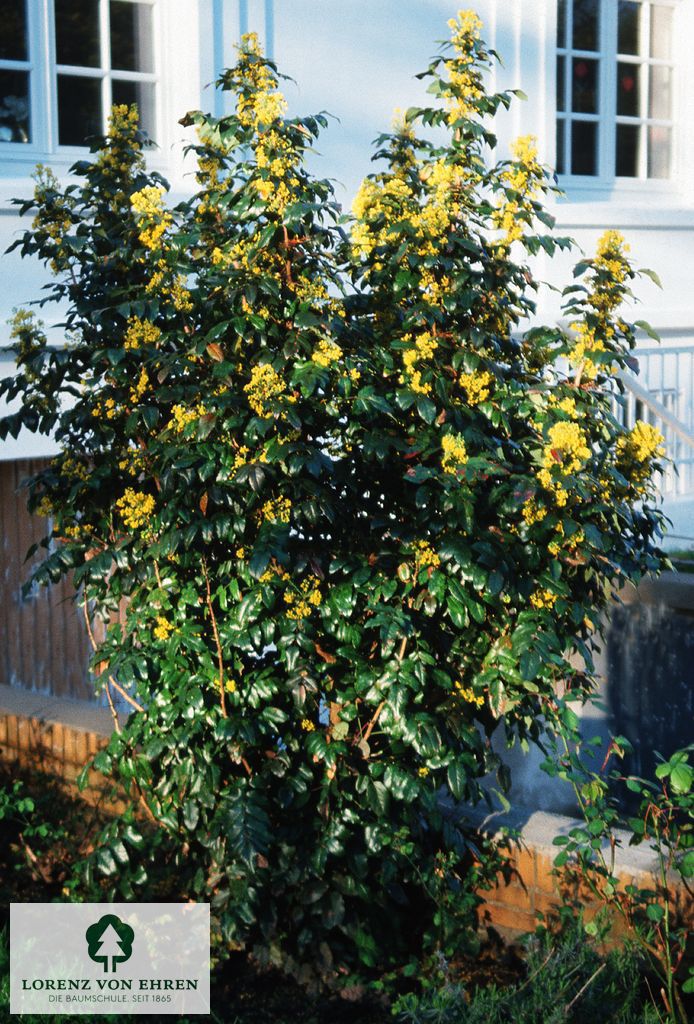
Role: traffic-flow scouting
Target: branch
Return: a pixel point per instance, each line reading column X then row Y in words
column 111, row 680
column 215, row 632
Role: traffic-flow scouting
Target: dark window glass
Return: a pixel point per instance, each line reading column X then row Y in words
column 14, row 106
column 141, row 93
column 77, row 32
column 561, row 83
column 659, row 149
column 79, row 109
column 628, row 89
column 627, row 151
column 13, row 30
column 628, row 26
column 584, row 86
column 561, row 24
column 584, row 147
column 561, row 135
column 131, row 36
column 586, row 34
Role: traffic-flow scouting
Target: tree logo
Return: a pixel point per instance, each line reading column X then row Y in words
column 109, row 939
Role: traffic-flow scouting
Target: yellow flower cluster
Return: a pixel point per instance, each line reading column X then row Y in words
column 424, row 556
column 148, row 204
column 307, row 725
column 378, row 207
column 533, row 513
column 163, row 628
column 454, row 453
column 523, row 179
column 424, row 347
column 566, row 405
column 644, row 442
column 586, row 345
column 140, row 387
column 326, row 353
column 467, row 694
column 567, row 447
column 465, row 80
column 302, row 602
column 73, row 468
column 423, row 771
column 181, row 417
column 241, row 457
column 135, row 507
column 140, row 332
column 610, row 271
column 277, row 510
column 132, row 462
column 108, row 408
column 477, row 386
column 264, row 386
column 543, row 599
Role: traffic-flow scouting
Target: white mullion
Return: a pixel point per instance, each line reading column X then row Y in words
column 644, row 74
column 607, row 102
column 50, row 75
column 569, row 98
column 105, row 59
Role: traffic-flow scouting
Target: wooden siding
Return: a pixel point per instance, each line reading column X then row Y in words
column 43, row 641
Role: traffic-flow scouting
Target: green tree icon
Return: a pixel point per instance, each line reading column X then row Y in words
column 110, row 938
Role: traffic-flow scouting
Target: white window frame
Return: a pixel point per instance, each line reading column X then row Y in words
column 606, row 181
column 44, row 72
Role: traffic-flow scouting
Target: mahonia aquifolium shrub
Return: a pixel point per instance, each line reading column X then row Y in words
column 332, row 515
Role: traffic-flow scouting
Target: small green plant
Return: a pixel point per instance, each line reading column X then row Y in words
column 665, row 820
column 566, row 982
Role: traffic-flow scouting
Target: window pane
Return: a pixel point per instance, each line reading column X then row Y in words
column 131, row 36
column 659, row 149
column 628, row 89
column 79, row 109
column 660, row 93
column 77, row 32
column 141, row 93
column 561, row 24
column 584, row 147
column 628, row 26
column 661, row 32
column 585, row 34
column 561, row 134
column 14, row 106
column 627, row 151
column 13, row 37
column 561, row 82
column 584, row 86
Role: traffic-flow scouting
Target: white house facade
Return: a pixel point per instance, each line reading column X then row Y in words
column 609, row 83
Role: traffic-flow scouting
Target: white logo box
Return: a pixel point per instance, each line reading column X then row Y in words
column 81, row 958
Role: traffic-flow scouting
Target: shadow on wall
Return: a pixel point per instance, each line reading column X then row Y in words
column 649, row 654
column 645, row 667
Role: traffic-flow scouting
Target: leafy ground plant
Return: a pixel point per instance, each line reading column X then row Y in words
column 332, row 515
column 566, row 983
column 655, row 920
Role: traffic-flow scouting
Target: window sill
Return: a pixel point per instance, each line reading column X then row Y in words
column 629, row 204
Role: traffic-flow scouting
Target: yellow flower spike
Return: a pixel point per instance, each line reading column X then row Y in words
column 163, row 628
column 477, row 386
column 326, row 353
column 264, row 386
column 307, row 725
column 135, row 507
column 454, row 453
